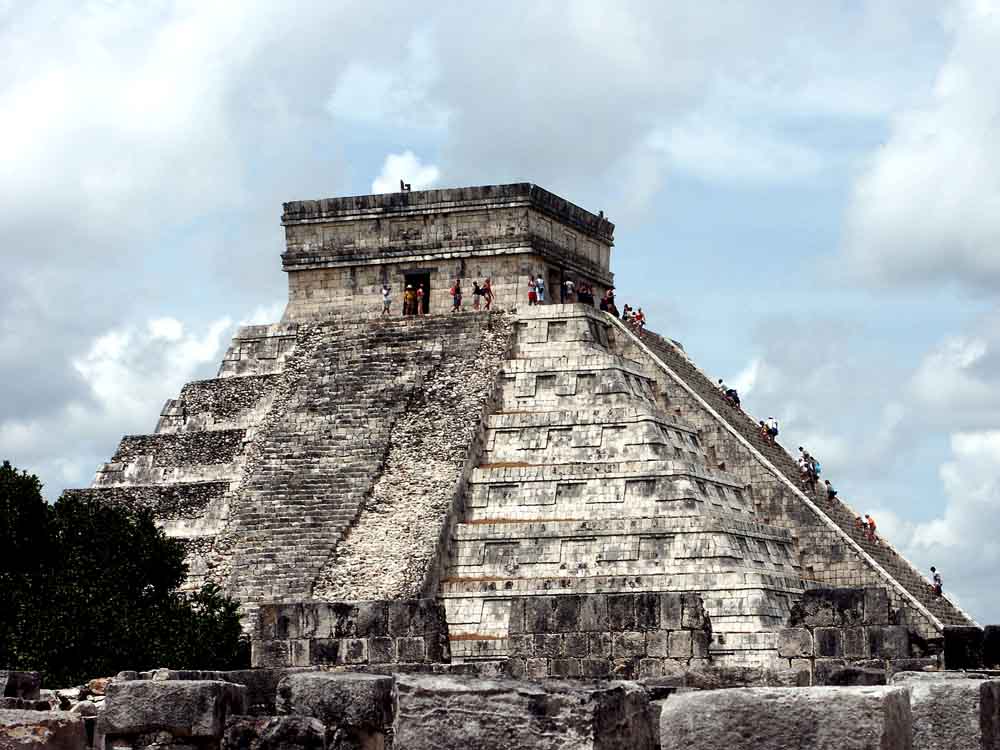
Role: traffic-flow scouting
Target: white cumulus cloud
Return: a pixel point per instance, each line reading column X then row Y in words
column 408, row 168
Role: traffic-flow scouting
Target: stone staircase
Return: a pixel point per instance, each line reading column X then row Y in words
column 839, row 512
column 587, row 485
column 320, row 460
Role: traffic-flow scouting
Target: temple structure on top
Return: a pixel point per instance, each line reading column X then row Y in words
column 536, row 469
column 340, row 251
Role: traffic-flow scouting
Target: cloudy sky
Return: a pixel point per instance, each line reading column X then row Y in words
column 807, row 196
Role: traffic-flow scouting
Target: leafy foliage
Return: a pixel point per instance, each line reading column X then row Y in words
column 87, row 590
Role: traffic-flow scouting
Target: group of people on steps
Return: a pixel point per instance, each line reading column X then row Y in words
column 809, row 474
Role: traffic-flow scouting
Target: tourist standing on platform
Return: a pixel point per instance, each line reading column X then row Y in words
column 487, row 293
column 532, row 292
column 566, row 293
column 456, row 296
column 386, row 298
column 540, row 289
column 476, row 294
column 420, row 299
column 409, row 298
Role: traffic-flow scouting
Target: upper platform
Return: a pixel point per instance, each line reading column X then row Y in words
column 427, row 226
column 448, row 200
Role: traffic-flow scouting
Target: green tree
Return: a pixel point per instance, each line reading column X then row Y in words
column 94, row 590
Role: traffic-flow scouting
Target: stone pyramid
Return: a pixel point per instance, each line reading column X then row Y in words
column 484, row 457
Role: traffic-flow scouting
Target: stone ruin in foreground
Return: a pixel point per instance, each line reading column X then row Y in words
column 427, row 518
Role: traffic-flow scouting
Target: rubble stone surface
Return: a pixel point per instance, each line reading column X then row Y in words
column 436, row 712
column 820, row 718
column 357, row 709
column 183, row 708
column 954, row 714
column 41, row 730
column 274, row 733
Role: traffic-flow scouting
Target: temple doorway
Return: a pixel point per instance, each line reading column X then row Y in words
column 416, row 279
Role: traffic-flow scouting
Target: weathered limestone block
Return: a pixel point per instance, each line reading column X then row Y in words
column 963, row 647
column 862, row 718
column 436, row 712
column 262, row 686
column 831, row 607
column 274, row 733
column 795, row 642
column 15, row 684
column 954, row 714
column 184, row 708
column 856, row 676
column 356, row 708
column 991, row 646
column 51, row 730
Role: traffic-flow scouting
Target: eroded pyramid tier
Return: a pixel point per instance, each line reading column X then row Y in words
column 587, row 485
column 590, row 435
column 582, row 491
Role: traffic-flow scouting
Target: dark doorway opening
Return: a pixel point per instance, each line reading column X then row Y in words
column 418, row 280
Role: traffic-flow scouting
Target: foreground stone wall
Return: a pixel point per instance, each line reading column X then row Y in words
column 268, row 709
column 350, row 633
column 850, row 636
column 625, row 636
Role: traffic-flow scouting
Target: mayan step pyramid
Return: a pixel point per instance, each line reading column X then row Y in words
column 487, row 455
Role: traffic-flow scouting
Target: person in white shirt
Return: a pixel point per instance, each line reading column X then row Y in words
column 938, row 587
column 772, row 427
column 540, row 289
column 386, row 298
column 567, row 291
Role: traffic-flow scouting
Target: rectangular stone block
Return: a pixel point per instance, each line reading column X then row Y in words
column 413, row 649
column 600, row 644
column 647, row 611
column 628, row 644
column 549, row 645
column 963, row 647
column 41, row 730
column 262, row 686
column 819, row 718
column 876, row 606
column 15, row 684
column 355, row 708
column 991, row 646
column 539, row 614
column 270, row 654
column 506, row 715
column 594, row 613
column 954, row 714
column 794, row 643
column 693, row 614
column 273, row 732
column 888, row 642
column 185, row 708
column 829, row 642
column 657, row 643
column 671, row 610
column 621, row 612
column 680, row 644
column 576, row 644
column 855, row 643
column 567, row 613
